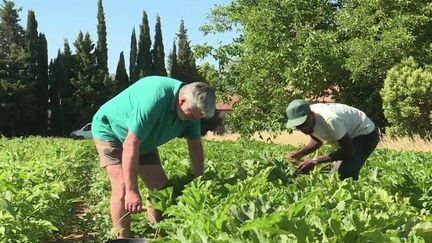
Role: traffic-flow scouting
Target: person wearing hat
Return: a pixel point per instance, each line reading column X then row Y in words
column 348, row 129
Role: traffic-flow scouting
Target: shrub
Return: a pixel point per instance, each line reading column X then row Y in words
column 407, row 99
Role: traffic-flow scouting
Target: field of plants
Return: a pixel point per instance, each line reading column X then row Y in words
column 249, row 193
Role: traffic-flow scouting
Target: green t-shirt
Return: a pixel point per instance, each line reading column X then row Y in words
column 147, row 109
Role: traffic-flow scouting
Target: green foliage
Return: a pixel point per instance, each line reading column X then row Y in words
column 39, row 188
column 248, row 193
column 407, row 99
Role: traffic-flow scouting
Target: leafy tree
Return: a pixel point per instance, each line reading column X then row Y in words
column 172, row 62
column 16, row 92
column 375, row 36
column 121, row 76
column 133, row 58
column 285, row 49
column 407, row 99
column 144, row 58
column 101, row 49
column 311, row 49
column 186, row 67
column 158, row 66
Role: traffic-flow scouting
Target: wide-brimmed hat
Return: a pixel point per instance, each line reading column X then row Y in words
column 297, row 112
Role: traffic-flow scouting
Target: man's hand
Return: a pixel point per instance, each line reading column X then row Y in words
column 196, row 154
column 307, row 165
column 133, row 202
column 295, row 155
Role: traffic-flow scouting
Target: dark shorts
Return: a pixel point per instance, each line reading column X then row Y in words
column 364, row 145
column 111, row 154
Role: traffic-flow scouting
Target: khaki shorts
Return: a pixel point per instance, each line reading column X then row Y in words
column 110, row 153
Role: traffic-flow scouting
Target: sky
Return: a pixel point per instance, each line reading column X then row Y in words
column 64, row 19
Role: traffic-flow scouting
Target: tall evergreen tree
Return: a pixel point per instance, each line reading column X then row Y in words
column 31, row 43
column 133, row 58
column 172, row 62
column 41, row 88
column 56, row 76
column 101, row 49
column 144, row 58
column 61, row 92
column 121, row 75
column 15, row 91
column 158, row 53
column 93, row 86
column 187, row 70
column 31, row 47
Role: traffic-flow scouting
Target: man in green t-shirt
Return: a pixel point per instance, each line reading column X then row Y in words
column 128, row 129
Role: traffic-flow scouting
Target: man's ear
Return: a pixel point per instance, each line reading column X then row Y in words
column 181, row 100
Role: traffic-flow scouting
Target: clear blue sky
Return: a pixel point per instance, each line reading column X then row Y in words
column 64, row 19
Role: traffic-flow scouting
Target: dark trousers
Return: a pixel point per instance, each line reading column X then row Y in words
column 364, row 145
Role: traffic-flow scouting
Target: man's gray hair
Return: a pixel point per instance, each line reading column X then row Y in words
column 202, row 96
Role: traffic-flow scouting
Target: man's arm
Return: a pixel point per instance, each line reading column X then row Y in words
column 345, row 151
column 313, row 144
column 130, row 158
column 196, row 154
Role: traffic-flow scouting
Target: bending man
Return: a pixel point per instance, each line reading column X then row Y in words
column 128, row 129
column 346, row 128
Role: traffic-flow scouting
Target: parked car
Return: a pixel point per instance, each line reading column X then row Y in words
column 84, row 132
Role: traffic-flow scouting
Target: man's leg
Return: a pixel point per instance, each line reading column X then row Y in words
column 154, row 177
column 110, row 158
column 117, row 202
column 364, row 146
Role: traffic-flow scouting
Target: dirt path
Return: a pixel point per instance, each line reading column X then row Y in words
column 77, row 234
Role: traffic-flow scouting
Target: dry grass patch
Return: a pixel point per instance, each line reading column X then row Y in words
column 298, row 138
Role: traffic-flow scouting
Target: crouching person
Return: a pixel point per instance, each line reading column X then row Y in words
column 346, row 128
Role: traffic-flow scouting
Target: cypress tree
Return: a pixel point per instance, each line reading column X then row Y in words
column 31, row 47
column 133, row 58
column 101, row 49
column 121, row 75
column 158, row 67
column 41, row 87
column 144, row 59
column 31, row 44
column 16, row 94
column 93, row 86
column 56, row 76
column 68, row 71
column 187, row 70
column 172, row 62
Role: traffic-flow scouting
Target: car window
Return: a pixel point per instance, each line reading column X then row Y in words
column 87, row 128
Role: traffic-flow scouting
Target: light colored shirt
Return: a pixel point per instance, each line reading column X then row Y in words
column 147, row 109
column 333, row 121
